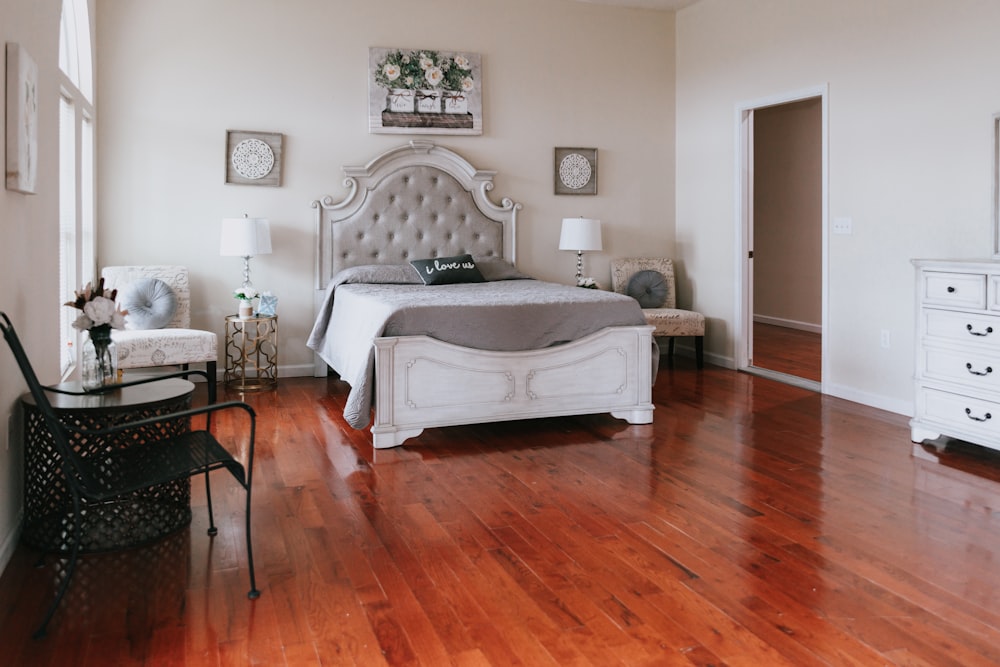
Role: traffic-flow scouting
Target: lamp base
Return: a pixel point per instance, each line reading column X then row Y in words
column 246, row 273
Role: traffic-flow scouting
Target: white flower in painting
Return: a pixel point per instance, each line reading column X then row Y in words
column 409, row 81
column 426, row 62
column 462, row 62
column 100, row 310
column 467, row 84
column 391, row 71
column 433, row 76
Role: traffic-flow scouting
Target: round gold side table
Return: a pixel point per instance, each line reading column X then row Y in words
column 251, row 353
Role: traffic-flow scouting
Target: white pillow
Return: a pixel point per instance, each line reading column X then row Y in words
column 150, row 303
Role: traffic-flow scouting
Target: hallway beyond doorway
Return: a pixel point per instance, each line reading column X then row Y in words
column 785, row 350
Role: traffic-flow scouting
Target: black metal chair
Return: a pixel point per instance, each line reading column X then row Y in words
column 132, row 466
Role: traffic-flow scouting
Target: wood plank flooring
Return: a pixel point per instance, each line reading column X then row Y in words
column 789, row 351
column 753, row 523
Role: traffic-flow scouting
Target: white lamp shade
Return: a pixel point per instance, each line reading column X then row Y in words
column 580, row 234
column 245, row 237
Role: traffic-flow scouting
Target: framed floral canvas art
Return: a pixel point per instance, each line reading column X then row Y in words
column 423, row 91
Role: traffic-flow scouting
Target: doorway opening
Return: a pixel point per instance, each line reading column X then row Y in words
column 783, row 257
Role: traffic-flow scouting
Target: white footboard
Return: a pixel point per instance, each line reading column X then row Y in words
column 421, row 382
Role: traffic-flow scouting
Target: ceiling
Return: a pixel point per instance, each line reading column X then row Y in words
column 665, row 5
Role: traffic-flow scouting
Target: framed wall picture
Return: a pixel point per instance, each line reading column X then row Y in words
column 424, row 91
column 253, row 158
column 22, row 120
column 575, row 171
column 996, row 186
column 268, row 305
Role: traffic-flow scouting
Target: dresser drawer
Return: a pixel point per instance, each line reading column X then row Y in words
column 965, row 328
column 979, row 372
column 959, row 290
column 967, row 414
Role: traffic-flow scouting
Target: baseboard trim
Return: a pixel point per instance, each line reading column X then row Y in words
column 788, row 324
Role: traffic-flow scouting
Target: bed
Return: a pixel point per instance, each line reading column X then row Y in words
column 411, row 369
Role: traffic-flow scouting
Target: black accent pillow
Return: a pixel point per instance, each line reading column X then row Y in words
column 448, row 270
column 649, row 288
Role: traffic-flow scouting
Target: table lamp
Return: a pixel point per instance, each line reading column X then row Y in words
column 245, row 237
column 580, row 234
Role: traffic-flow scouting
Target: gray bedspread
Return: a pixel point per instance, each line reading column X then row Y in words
column 367, row 302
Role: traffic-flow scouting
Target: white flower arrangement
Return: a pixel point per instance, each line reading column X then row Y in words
column 245, row 293
column 587, row 283
column 98, row 310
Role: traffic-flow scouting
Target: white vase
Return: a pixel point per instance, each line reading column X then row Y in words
column 428, row 101
column 246, row 309
column 455, row 101
column 399, row 100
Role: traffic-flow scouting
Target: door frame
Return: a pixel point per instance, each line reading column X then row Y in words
column 744, row 228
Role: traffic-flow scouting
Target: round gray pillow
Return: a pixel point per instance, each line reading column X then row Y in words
column 150, row 303
column 649, row 288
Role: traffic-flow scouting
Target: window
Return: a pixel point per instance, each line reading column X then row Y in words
column 77, row 243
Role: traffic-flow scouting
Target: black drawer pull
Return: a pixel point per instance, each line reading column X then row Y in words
column 968, row 413
column 989, row 330
column 951, row 290
column 989, row 369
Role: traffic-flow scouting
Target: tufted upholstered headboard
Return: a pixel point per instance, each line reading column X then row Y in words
column 412, row 202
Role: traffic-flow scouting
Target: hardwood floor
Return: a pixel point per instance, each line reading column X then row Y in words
column 754, row 523
column 789, row 351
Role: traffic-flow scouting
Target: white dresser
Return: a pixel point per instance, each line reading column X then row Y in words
column 958, row 351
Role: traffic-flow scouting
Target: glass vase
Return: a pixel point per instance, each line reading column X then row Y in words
column 99, row 361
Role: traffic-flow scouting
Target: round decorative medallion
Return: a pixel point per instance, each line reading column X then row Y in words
column 252, row 158
column 574, row 171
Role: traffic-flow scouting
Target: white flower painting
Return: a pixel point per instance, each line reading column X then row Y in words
column 424, row 91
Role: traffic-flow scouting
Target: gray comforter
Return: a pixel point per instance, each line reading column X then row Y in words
column 366, row 302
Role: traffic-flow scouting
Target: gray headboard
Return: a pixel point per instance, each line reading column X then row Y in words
column 412, row 202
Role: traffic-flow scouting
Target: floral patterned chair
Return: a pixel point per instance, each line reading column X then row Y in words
column 650, row 280
column 163, row 336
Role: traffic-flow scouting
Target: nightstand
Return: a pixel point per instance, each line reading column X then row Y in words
column 251, row 352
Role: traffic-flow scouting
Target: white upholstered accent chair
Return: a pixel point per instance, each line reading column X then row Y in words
column 651, row 281
column 172, row 344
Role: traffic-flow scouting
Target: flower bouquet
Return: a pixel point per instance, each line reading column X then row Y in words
column 99, row 315
column 246, row 295
column 587, row 283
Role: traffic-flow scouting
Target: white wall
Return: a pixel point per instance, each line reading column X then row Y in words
column 174, row 76
column 29, row 253
column 912, row 93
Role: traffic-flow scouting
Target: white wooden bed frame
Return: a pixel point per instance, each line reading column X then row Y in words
column 421, row 382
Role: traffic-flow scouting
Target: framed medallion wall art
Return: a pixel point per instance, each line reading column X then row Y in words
column 575, row 171
column 253, row 158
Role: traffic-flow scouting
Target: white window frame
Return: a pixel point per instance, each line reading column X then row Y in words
column 77, row 124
